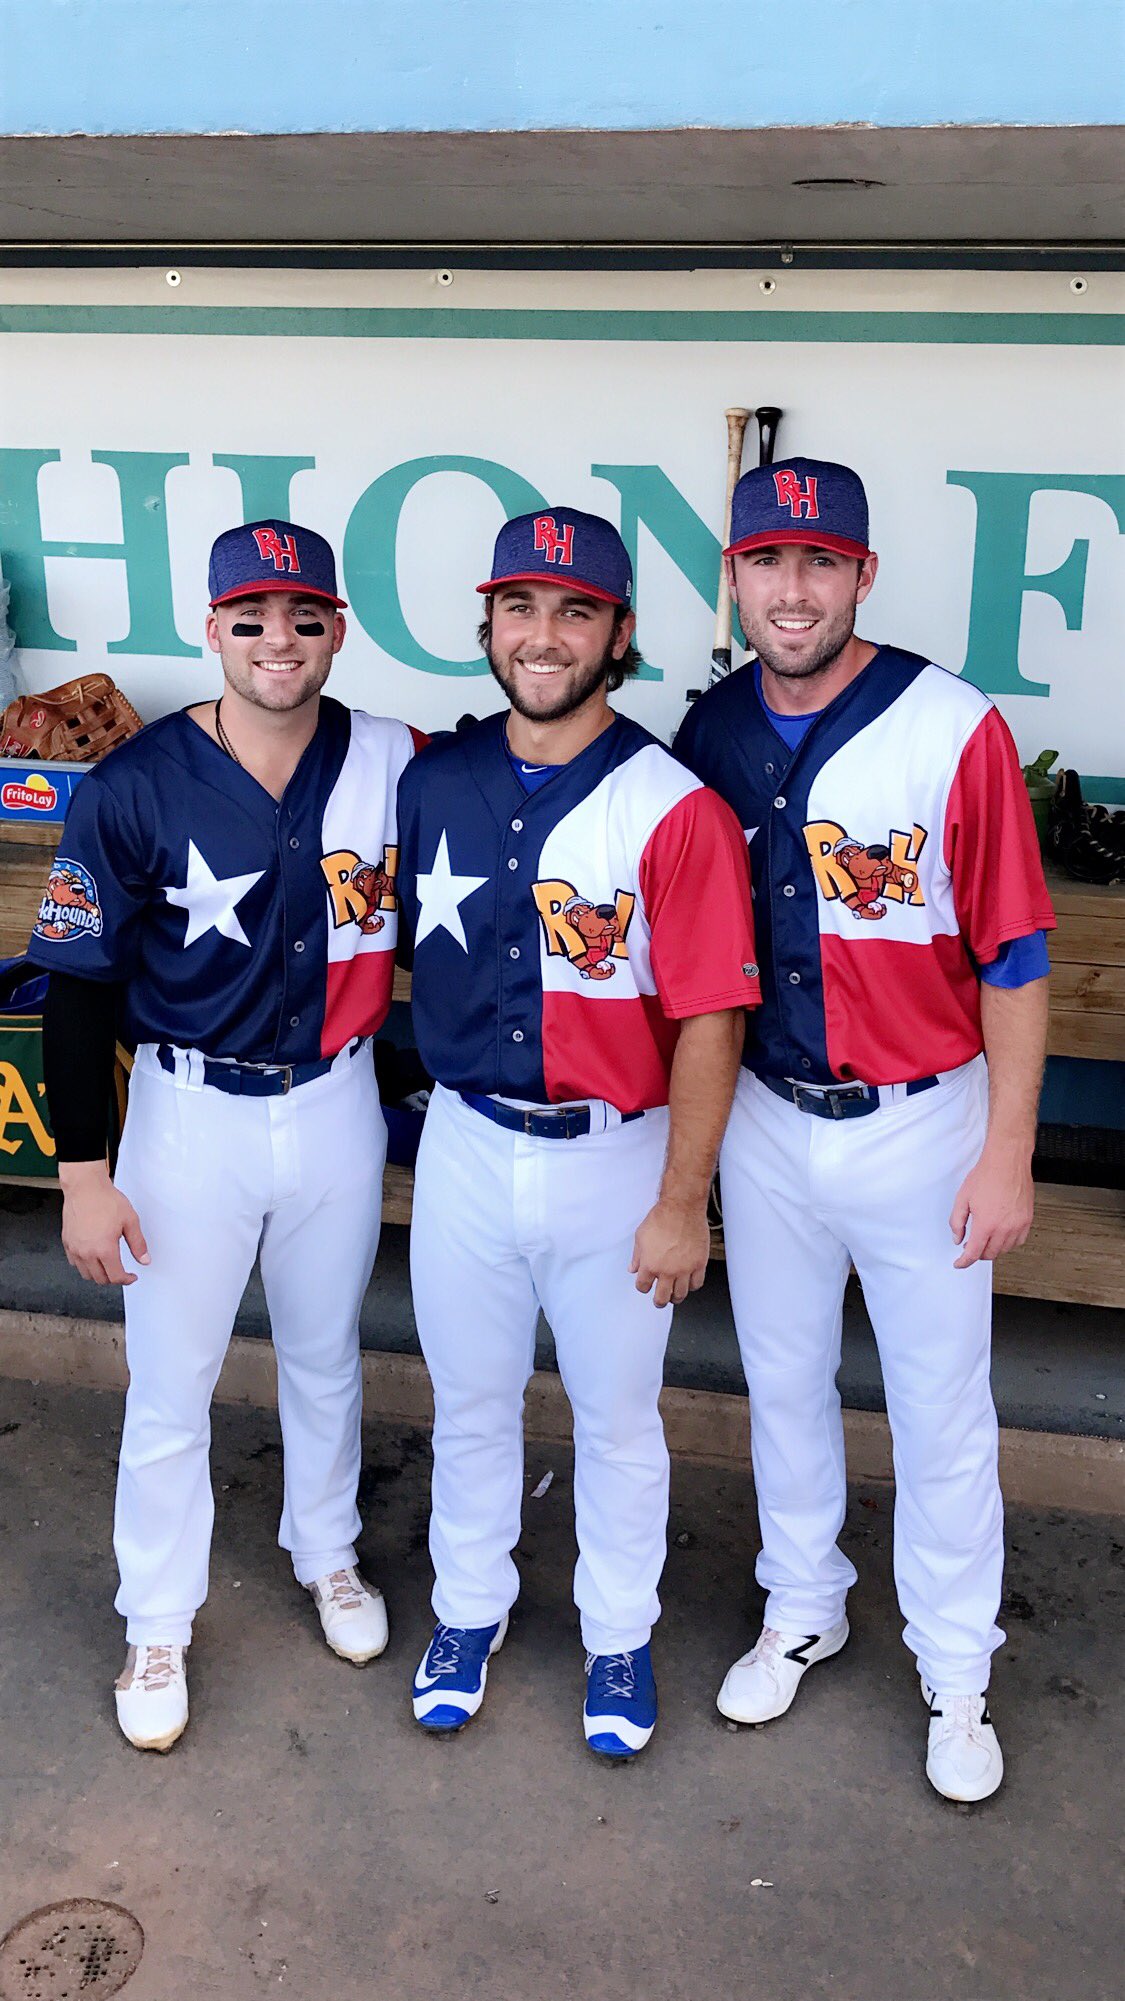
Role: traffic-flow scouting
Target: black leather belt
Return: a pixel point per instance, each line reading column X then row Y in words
column 254, row 1080
column 836, row 1101
column 569, row 1122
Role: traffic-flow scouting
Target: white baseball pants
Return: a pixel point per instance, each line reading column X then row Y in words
column 802, row 1198
column 502, row 1225
column 213, row 1178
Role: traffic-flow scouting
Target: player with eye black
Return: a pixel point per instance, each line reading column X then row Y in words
column 237, row 913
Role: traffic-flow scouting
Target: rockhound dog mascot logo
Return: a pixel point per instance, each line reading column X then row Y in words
column 591, row 935
column 70, row 906
column 864, row 874
column 360, row 890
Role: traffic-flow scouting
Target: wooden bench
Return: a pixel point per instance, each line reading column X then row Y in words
column 1076, row 1251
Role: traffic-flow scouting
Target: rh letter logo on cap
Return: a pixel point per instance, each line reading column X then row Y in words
column 283, row 554
column 794, row 496
column 557, row 544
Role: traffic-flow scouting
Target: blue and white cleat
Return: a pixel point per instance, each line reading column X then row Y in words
column 619, row 1714
column 449, row 1685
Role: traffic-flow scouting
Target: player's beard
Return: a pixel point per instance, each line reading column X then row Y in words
column 284, row 695
column 831, row 642
column 578, row 694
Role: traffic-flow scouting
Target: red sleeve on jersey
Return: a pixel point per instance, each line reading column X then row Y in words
column 420, row 738
column 991, row 848
column 695, row 880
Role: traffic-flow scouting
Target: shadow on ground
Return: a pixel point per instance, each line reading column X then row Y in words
column 305, row 1838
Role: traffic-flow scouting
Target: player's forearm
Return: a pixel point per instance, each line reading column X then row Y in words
column 1014, row 1026
column 79, row 1036
column 704, row 1070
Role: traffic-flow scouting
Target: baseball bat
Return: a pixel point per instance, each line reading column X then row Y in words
column 768, row 418
column 737, row 420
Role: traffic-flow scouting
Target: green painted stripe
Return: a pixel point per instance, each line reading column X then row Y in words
column 1103, row 791
column 461, row 323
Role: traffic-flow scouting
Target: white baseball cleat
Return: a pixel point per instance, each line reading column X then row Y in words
column 353, row 1614
column 763, row 1683
column 963, row 1756
column 152, row 1698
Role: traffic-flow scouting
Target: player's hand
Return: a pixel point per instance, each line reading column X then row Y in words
column 95, row 1218
column 670, row 1251
column 994, row 1207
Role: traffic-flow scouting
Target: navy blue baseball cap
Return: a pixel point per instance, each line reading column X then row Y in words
column 800, row 500
column 271, row 556
column 561, row 545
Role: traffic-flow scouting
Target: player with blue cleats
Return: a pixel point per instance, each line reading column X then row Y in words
column 449, row 1685
column 549, row 857
column 619, row 1715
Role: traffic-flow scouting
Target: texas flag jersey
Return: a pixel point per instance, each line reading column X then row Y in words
column 249, row 928
column 893, row 854
column 561, row 934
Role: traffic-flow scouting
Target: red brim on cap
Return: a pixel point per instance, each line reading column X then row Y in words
column 279, row 584
column 578, row 584
column 839, row 544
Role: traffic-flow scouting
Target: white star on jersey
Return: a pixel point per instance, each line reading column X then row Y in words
column 210, row 900
column 439, row 895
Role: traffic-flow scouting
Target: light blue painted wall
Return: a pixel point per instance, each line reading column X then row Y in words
column 132, row 66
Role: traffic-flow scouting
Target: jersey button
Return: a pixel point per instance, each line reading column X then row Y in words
column 513, row 951
column 779, row 802
column 298, row 944
column 794, row 979
column 751, row 972
column 293, row 841
column 517, row 1035
column 769, row 771
column 513, row 863
column 517, row 826
column 294, row 1021
column 805, row 1063
column 789, row 890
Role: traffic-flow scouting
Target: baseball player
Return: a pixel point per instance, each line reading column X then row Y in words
column 218, row 857
column 565, row 1157
column 901, row 908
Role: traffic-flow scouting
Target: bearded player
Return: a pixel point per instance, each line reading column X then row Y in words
column 570, row 1137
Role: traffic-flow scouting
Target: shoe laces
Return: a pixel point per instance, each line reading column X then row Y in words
column 159, row 1668
column 769, row 1647
column 616, row 1673
column 345, row 1590
column 445, row 1651
column 961, row 1716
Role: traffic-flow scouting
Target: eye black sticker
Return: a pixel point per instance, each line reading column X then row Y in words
column 244, row 628
column 311, row 629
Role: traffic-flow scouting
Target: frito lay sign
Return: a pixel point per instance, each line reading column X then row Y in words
column 37, row 794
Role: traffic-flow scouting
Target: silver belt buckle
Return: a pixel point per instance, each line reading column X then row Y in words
column 830, row 1094
column 560, row 1118
column 270, row 1070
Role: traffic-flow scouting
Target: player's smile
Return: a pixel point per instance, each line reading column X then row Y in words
column 277, row 647
column 550, row 648
column 797, row 603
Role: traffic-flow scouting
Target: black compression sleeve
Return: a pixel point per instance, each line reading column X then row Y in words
column 79, row 1035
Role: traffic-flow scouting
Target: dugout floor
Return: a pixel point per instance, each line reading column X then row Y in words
column 305, row 1839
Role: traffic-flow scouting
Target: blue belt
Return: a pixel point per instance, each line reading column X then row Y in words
column 569, row 1122
column 837, row 1101
column 254, row 1080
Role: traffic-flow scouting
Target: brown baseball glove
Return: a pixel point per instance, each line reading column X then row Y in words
column 74, row 724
